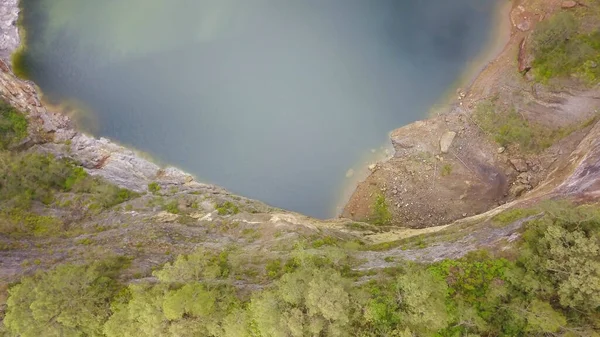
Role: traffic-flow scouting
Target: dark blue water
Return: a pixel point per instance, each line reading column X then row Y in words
column 272, row 99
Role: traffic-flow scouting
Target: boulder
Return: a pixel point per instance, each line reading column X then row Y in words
column 519, row 164
column 568, row 4
column 446, row 141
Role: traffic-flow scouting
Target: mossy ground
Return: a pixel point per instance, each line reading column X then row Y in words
column 568, row 45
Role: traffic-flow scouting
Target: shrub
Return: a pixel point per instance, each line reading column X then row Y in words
column 172, row 207
column 274, row 268
column 67, row 301
column 13, row 126
column 446, row 170
column 560, row 50
column 510, row 216
column 153, row 187
column 381, row 215
column 18, row 222
column 228, row 208
column 76, row 176
column 326, row 241
column 507, row 127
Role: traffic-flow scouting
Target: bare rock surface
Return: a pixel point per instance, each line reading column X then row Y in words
column 9, row 39
column 446, row 141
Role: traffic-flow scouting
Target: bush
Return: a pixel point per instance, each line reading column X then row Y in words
column 13, row 126
column 228, row 208
column 172, row 207
column 154, row 187
column 446, row 170
column 17, row 222
column 67, row 301
column 31, row 177
column 381, row 215
column 560, row 50
column 507, row 127
column 274, row 268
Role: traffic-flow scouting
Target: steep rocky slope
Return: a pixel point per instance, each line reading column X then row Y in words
column 446, row 172
column 86, row 251
column 463, row 162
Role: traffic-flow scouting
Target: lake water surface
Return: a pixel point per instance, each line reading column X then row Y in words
column 271, row 99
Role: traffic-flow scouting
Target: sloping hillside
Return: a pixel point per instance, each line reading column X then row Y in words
column 485, row 222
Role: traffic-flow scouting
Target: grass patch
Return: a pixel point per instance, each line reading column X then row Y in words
column 446, row 170
column 13, row 126
column 510, row 216
column 252, row 234
column 172, row 207
column 228, row 208
column 326, row 241
column 507, row 127
column 19, row 222
column 560, row 49
column 154, row 187
column 85, row 242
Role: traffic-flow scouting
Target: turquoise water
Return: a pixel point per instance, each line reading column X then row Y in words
column 272, row 99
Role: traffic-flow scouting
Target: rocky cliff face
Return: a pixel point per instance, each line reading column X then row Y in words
column 9, row 39
column 54, row 133
column 450, row 167
column 445, row 172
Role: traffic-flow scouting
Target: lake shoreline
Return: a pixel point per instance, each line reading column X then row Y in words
column 184, row 178
column 447, row 167
column 498, row 40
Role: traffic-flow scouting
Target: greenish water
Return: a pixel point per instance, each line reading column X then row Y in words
column 272, row 99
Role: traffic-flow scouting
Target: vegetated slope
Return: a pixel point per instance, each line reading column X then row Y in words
column 96, row 241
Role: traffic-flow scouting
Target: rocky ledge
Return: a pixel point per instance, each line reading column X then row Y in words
column 55, row 133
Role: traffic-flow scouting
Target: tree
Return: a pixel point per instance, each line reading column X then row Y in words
column 192, row 299
column 541, row 317
column 67, row 301
column 308, row 301
column 422, row 299
column 197, row 266
column 562, row 256
column 141, row 315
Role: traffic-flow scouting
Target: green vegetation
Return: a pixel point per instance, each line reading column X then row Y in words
column 550, row 287
column 172, row 207
column 381, row 215
column 154, row 187
column 227, row 208
column 20, row 63
column 325, row 241
column 33, row 179
column 17, row 222
column 446, row 170
column 67, row 301
column 13, row 126
column 508, row 127
column 510, row 216
column 561, row 49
